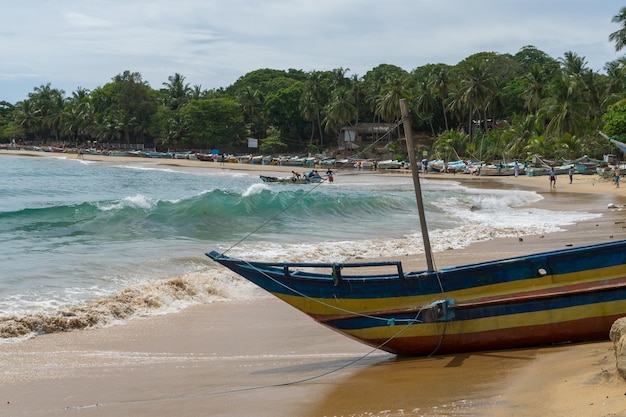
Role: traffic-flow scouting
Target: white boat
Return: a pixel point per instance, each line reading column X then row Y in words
column 390, row 164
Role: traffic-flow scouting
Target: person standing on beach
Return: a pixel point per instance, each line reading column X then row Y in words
column 571, row 174
column 552, row 178
column 329, row 173
column 617, row 173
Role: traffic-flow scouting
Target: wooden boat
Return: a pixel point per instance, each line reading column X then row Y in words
column 569, row 295
column 292, row 179
column 206, row 157
column 588, row 166
column 501, row 169
column 558, row 170
column 390, row 164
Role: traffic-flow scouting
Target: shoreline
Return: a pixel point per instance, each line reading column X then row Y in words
column 263, row 358
column 590, row 184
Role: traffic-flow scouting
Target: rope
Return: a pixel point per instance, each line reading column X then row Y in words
column 271, row 219
column 248, row 389
column 409, row 322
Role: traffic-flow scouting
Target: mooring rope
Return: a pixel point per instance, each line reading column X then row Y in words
column 271, row 219
column 408, row 322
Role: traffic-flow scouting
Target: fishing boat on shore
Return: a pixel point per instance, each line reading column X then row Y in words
column 501, row 169
column 568, row 295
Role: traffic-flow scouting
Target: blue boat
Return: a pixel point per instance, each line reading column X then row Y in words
column 568, row 295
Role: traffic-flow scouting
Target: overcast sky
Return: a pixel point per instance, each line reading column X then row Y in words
column 85, row 43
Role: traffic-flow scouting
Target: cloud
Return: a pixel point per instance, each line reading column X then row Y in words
column 214, row 42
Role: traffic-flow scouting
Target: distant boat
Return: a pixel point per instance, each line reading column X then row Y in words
column 568, row 295
column 587, row 166
column 558, row 170
column 303, row 179
column 502, row 169
column 390, row 164
column 256, row 160
column 206, row 157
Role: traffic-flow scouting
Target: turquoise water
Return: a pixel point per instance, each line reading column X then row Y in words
column 101, row 242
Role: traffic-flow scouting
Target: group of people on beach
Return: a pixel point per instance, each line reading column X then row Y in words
column 313, row 174
column 552, row 174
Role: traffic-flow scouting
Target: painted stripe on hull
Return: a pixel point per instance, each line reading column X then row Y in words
column 587, row 329
column 517, row 330
column 563, row 296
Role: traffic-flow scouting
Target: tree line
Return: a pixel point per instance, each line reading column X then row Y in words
column 488, row 106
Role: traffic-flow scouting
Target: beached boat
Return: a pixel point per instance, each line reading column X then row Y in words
column 206, row 156
column 501, row 169
column 568, row 295
column 587, row 166
column 439, row 165
column 390, row 164
column 303, row 179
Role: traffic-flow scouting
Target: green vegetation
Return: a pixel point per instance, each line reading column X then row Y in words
column 488, row 106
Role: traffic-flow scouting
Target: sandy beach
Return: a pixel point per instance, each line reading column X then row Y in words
column 263, row 358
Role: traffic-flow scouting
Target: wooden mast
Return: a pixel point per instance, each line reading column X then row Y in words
column 408, row 134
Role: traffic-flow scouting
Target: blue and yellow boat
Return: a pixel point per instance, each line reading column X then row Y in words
column 568, row 295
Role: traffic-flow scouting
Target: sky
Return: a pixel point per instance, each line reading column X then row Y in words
column 75, row 44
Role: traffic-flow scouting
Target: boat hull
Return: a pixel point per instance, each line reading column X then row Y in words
column 292, row 179
column 569, row 295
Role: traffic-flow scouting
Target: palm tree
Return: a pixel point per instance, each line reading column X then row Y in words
column 49, row 104
column 339, row 78
column 177, row 91
column 616, row 84
column 339, row 111
column 565, row 108
column 251, row 106
column 311, row 103
column 425, row 103
column 475, row 90
column 388, row 103
column 77, row 115
column 440, row 84
column 518, row 133
column 535, row 84
column 619, row 36
column 27, row 116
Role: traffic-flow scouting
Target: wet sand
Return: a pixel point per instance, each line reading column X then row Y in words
column 263, row 358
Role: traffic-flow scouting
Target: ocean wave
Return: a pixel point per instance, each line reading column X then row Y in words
column 160, row 297
column 214, row 215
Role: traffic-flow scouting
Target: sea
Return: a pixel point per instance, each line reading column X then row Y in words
column 87, row 244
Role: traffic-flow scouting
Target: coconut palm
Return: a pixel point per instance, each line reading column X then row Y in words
column 440, row 83
column 535, row 84
column 425, row 103
column 28, row 117
column 339, row 111
column 388, row 103
column 311, row 103
column 619, row 36
column 565, row 107
column 474, row 93
column 177, row 91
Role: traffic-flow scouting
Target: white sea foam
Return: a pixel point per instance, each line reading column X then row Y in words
column 136, row 201
column 255, row 189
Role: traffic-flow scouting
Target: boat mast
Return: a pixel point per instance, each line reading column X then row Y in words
column 408, row 134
